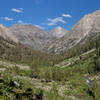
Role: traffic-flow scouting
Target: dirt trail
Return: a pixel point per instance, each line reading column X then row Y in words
column 71, row 61
column 6, row 64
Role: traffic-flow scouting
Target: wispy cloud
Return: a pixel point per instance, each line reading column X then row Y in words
column 55, row 21
column 39, row 27
column 6, row 18
column 66, row 15
column 21, row 22
column 20, row 10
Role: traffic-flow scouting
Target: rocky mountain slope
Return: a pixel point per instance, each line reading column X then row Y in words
column 58, row 32
column 30, row 36
column 35, row 37
column 7, row 34
column 87, row 27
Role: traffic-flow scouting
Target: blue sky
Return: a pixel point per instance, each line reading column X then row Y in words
column 46, row 14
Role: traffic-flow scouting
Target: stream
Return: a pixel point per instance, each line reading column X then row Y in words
column 89, row 81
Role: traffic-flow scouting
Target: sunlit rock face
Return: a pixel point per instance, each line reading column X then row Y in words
column 35, row 37
column 7, row 34
column 88, row 26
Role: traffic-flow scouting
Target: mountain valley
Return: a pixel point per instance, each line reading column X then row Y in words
column 51, row 65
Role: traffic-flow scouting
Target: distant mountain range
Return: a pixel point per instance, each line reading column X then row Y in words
column 35, row 37
column 57, row 40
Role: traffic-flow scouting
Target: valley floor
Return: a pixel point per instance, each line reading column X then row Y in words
column 74, row 81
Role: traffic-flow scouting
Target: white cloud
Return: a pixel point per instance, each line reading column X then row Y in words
column 66, row 15
column 21, row 22
column 8, row 19
column 20, row 10
column 55, row 21
column 39, row 26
